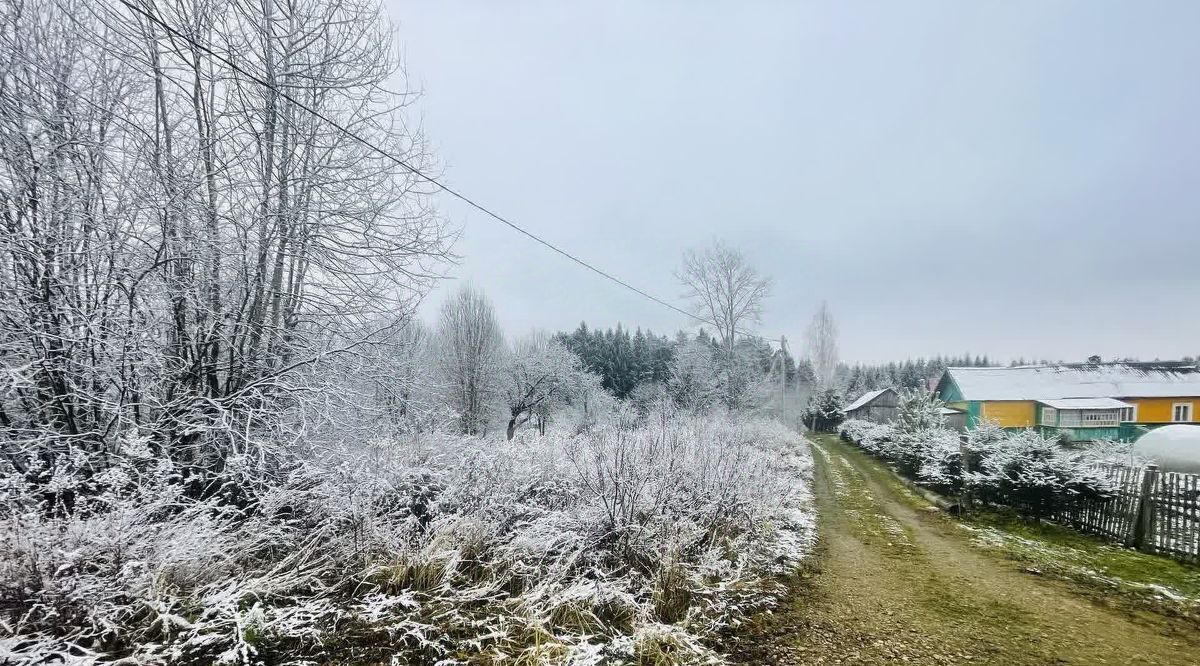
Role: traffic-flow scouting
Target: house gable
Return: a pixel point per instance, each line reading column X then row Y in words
column 947, row 390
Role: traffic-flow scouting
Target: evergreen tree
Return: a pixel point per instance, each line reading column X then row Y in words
column 824, row 412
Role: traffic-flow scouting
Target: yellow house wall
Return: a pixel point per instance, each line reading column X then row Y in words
column 1159, row 410
column 1008, row 413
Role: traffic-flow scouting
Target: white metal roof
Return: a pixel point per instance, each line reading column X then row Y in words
column 1086, row 403
column 1051, row 382
column 947, row 411
column 864, row 399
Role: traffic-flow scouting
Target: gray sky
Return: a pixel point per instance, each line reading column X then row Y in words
column 1009, row 178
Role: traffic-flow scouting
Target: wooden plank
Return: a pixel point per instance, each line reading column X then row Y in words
column 1194, row 516
column 1187, row 538
column 1189, row 524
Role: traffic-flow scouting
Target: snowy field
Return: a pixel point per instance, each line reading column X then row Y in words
column 633, row 541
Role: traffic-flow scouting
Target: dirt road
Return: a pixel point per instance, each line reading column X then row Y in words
column 894, row 582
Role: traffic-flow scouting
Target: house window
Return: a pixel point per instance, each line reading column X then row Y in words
column 1099, row 419
column 1182, row 412
column 1070, row 418
column 1049, row 416
column 1128, row 414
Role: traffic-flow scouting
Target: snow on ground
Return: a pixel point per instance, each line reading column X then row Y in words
column 625, row 542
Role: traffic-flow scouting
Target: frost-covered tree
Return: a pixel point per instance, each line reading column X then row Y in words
column 824, row 411
column 539, row 376
column 724, row 289
column 470, row 356
column 406, row 381
column 918, row 411
column 693, row 382
column 187, row 253
column 822, row 345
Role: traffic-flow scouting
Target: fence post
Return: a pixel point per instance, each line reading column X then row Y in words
column 1143, row 529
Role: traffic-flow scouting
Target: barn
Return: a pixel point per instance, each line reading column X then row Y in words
column 875, row 406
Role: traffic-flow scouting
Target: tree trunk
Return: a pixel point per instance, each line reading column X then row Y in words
column 512, row 428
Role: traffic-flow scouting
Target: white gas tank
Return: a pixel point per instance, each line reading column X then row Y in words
column 1175, row 448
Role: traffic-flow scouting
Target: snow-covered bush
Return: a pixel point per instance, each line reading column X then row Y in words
column 622, row 542
column 872, row 437
column 1033, row 474
column 1036, row 475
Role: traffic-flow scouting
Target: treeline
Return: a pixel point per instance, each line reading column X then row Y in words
column 912, row 373
column 621, row 360
column 625, row 360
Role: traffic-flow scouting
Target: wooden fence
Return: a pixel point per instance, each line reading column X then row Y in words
column 1152, row 510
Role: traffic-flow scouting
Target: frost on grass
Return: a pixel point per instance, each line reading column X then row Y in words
column 1106, row 567
column 626, row 542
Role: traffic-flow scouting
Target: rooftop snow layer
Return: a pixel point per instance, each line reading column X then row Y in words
column 864, row 399
column 1086, row 403
column 1051, row 382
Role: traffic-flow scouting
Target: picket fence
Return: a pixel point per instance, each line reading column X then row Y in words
column 1154, row 511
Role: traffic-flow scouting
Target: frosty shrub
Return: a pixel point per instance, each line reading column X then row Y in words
column 636, row 537
column 872, row 437
column 1035, row 475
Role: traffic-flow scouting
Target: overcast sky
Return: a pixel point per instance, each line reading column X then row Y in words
column 1009, row 178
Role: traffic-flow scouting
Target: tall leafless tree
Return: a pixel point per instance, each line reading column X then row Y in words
column 822, row 345
column 183, row 251
column 726, row 290
column 470, row 353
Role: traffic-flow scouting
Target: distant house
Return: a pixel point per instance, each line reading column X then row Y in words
column 1086, row 401
column 875, row 406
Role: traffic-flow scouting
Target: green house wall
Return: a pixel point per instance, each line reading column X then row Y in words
column 1081, row 434
column 974, row 414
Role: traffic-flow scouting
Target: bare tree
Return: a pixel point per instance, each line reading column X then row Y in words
column 725, row 289
column 822, row 345
column 185, row 252
column 405, row 382
column 470, row 353
column 693, row 383
column 540, row 374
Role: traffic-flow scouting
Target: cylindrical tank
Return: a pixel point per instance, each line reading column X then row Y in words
column 1175, row 448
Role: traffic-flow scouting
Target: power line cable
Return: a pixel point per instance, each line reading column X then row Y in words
column 417, row 172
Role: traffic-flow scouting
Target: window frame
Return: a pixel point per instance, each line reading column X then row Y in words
column 1132, row 410
column 1187, row 407
column 1052, row 423
column 1100, row 418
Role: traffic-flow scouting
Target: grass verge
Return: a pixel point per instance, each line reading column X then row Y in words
column 1110, row 574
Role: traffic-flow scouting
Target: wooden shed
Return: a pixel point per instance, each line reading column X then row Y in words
column 955, row 419
column 875, row 406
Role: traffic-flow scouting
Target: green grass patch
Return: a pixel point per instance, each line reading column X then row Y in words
column 1116, row 574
